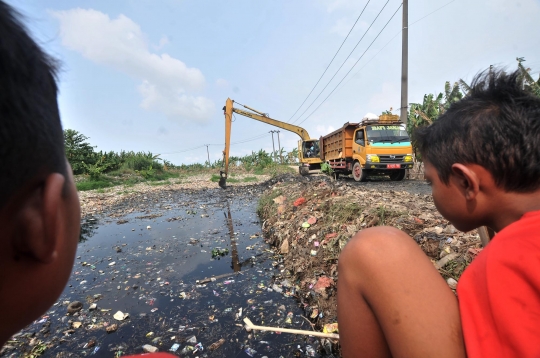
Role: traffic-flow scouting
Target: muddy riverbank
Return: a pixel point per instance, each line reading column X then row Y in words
column 309, row 222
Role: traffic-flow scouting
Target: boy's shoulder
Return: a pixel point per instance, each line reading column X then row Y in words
column 515, row 245
column 512, row 255
column 519, row 236
column 499, row 291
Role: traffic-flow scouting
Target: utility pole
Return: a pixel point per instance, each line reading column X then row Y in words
column 279, row 148
column 404, row 62
column 273, row 146
column 208, row 153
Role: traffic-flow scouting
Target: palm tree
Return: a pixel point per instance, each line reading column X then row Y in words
column 432, row 107
column 452, row 94
column 528, row 82
column 424, row 113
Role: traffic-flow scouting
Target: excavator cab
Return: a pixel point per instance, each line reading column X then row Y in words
column 310, row 149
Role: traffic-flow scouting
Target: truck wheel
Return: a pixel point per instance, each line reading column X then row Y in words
column 358, row 173
column 303, row 171
column 398, row 175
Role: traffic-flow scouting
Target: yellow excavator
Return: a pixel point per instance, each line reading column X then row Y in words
column 308, row 148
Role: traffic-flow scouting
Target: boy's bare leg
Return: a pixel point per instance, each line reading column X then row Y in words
column 393, row 302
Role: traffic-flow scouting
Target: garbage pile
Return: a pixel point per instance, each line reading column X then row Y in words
column 310, row 223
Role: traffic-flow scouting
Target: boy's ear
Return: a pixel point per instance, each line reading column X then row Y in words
column 39, row 222
column 466, row 180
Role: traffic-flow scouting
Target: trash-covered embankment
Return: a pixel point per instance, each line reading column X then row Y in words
column 311, row 221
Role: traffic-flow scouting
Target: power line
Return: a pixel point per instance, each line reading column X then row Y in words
column 358, row 43
column 393, row 37
column 214, row 144
column 185, row 150
column 371, row 59
column 358, row 18
column 434, row 11
column 399, row 32
column 353, row 65
column 250, row 140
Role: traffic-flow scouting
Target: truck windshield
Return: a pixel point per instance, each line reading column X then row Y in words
column 387, row 133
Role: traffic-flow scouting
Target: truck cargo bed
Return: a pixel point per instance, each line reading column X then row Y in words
column 338, row 144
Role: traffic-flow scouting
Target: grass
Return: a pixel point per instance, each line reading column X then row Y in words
column 163, row 176
column 266, row 202
column 89, row 184
column 341, row 212
column 128, row 177
column 215, row 178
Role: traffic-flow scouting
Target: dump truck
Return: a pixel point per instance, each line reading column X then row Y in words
column 308, row 148
column 377, row 145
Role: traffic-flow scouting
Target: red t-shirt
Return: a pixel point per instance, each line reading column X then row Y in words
column 499, row 294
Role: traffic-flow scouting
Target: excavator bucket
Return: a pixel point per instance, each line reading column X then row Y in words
column 222, row 180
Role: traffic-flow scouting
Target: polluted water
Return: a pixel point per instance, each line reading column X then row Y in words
column 178, row 278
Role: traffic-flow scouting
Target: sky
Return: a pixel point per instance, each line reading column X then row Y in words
column 153, row 76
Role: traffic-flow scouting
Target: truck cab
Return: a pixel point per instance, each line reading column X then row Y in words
column 378, row 145
column 383, row 149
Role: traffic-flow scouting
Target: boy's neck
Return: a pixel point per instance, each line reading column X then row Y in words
column 511, row 207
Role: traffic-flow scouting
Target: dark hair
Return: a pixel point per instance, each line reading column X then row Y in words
column 496, row 125
column 31, row 137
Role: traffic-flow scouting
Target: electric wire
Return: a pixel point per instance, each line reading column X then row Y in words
column 343, row 63
column 264, row 134
column 352, row 66
column 185, row 150
column 434, row 11
column 331, row 61
column 393, row 37
column 215, row 144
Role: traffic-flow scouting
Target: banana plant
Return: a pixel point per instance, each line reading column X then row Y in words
column 528, row 82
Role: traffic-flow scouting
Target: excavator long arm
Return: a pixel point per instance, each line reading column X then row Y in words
column 292, row 128
column 229, row 110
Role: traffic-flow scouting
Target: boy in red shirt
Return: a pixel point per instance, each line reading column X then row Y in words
column 482, row 159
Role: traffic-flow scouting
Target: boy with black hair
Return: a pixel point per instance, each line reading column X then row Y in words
column 39, row 207
column 482, row 159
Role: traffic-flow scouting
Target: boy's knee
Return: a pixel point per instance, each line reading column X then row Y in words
column 374, row 245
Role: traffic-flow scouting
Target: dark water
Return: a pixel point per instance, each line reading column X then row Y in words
column 154, row 279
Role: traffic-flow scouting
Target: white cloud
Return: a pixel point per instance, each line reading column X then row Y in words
column 343, row 26
column 527, row 8
column 121, row 44
column 389, row 96
column 324, row 130
column 333, row 5
column 164, row 40
column 222, row 83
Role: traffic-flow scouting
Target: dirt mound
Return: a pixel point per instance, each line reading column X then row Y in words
column 310, row 220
